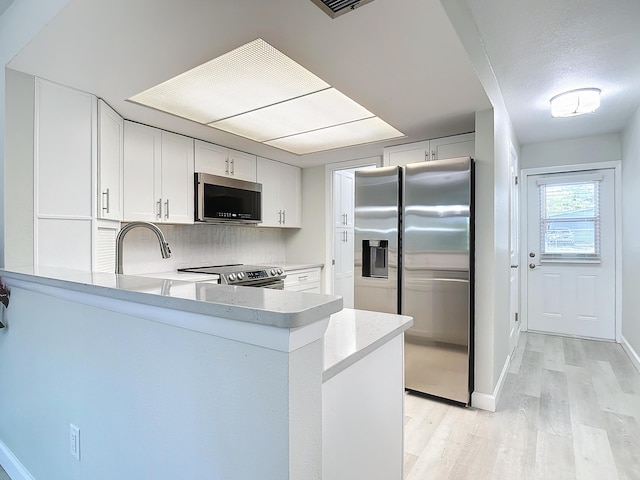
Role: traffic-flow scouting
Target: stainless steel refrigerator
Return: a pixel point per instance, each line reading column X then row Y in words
column 414, row 256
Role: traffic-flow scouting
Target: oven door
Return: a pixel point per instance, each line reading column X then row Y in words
column 227, row 200
column 266, row 283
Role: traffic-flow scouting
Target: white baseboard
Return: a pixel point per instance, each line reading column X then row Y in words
column 633, row 355
column 485, row 401
column 12, row 465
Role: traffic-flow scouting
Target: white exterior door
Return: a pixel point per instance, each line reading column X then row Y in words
column 571, row 253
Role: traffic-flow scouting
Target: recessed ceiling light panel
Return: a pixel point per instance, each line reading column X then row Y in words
column 303, row 114
column 575, row 102
column 259, row 93
column 252, row 76
column 355, row 133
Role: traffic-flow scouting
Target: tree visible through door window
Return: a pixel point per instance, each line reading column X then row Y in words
column 570, row 220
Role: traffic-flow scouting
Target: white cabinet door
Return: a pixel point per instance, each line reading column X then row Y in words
column 407, row 153
column 64, row 168
column 242, row 166
column 142, row 176
column 158, row 175
column 344, row 188
column 281, row 193
column 212, row 159
column 267, row 172
column 343, row 268
column 225, row 162
column 452, row 147
column 110, row 162
column 177, row 178
column 291, row 195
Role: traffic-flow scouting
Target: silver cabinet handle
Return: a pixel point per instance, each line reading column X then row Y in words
column 433, row 154
column 226, row 167
column 159, row 204
column 303, row 277
column 233, row 167
column 284, row 217
column 166, row 213
column 105, row 201
column 279, row 217
column 346, row 219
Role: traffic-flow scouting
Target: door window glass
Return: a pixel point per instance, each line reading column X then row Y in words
column 570, row 220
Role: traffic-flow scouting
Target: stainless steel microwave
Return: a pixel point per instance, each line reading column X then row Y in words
column 227, row 200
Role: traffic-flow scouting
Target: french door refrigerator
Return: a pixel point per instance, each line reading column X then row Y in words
column 414, row 256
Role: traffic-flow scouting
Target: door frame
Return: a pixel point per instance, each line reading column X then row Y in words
column 329, row 228
column 617, row 171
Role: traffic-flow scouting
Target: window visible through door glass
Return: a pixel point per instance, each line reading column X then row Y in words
column 570, row 221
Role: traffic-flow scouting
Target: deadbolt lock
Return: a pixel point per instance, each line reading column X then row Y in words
column 532, row 254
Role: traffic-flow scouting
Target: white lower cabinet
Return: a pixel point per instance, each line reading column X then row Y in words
column 303, row 280
column 158, row 175
column 281, row 193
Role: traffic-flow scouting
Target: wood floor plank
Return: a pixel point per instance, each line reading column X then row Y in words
column 535, row 342
column 420, row 429
column 593, row 456
column 531, row 369
column 623, row 433
column 554, row 416
column 553, row 353
column 574, row 352
column 583, row 402
column 554, row 457
column 516, row 358
column 409, row 462
column 476, row 460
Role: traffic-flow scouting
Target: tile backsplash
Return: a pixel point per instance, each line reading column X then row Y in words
column 199, row 245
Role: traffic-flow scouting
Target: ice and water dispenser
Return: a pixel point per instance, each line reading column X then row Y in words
column 375, row 258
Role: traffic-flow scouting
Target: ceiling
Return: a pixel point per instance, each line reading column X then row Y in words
column 400, row 59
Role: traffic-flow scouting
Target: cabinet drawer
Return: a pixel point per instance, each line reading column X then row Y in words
column 303, row 276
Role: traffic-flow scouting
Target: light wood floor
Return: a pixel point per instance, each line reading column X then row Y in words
column 570, row 409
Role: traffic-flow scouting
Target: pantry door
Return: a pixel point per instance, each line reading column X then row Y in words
column 571, row 253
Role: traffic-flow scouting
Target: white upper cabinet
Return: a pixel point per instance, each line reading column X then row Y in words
column 225, row 162
column 343, row 193
column 407, row 153
column 436, row 149
column 281, row 193
column 110, row 162
column 158, row 175
column 64, row 175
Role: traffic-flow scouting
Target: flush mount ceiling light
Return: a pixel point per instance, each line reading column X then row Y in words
column 259, row 93
column 575, row 102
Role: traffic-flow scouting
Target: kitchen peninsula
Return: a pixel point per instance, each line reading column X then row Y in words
column 172, row 379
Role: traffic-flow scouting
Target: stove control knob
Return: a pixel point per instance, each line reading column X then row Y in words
column 280, row 271
column 273, row 271
column 232, row 277
column 240, row 275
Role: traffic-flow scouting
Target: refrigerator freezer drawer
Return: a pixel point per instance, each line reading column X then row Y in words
column 438, row 301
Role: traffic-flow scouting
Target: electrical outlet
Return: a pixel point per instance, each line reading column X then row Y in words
column 74, row 441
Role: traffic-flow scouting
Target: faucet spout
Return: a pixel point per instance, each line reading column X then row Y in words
column 165, row 251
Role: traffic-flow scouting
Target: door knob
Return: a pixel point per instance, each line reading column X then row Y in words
column 532, row 266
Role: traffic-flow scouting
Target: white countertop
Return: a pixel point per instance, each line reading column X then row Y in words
column 352, row 334
column 298, row 265
column 264, row 306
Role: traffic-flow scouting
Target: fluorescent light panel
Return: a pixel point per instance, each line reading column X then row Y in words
column 259, row 93
column 575, row 102
column 311, row 112
column 346, row 135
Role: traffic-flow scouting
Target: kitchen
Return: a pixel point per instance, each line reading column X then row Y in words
column 299, row 242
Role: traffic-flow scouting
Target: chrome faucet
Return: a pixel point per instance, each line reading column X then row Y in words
column 164, row 246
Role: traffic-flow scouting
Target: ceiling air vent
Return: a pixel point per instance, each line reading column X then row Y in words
column 335, row 8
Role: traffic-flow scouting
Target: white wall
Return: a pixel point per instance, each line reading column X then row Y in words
column 18, row 169
column 19, row 23
column 631, row 233
column 494, row 136
column 597, row 148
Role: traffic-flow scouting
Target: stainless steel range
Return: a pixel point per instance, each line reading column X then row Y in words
column 244, row 275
